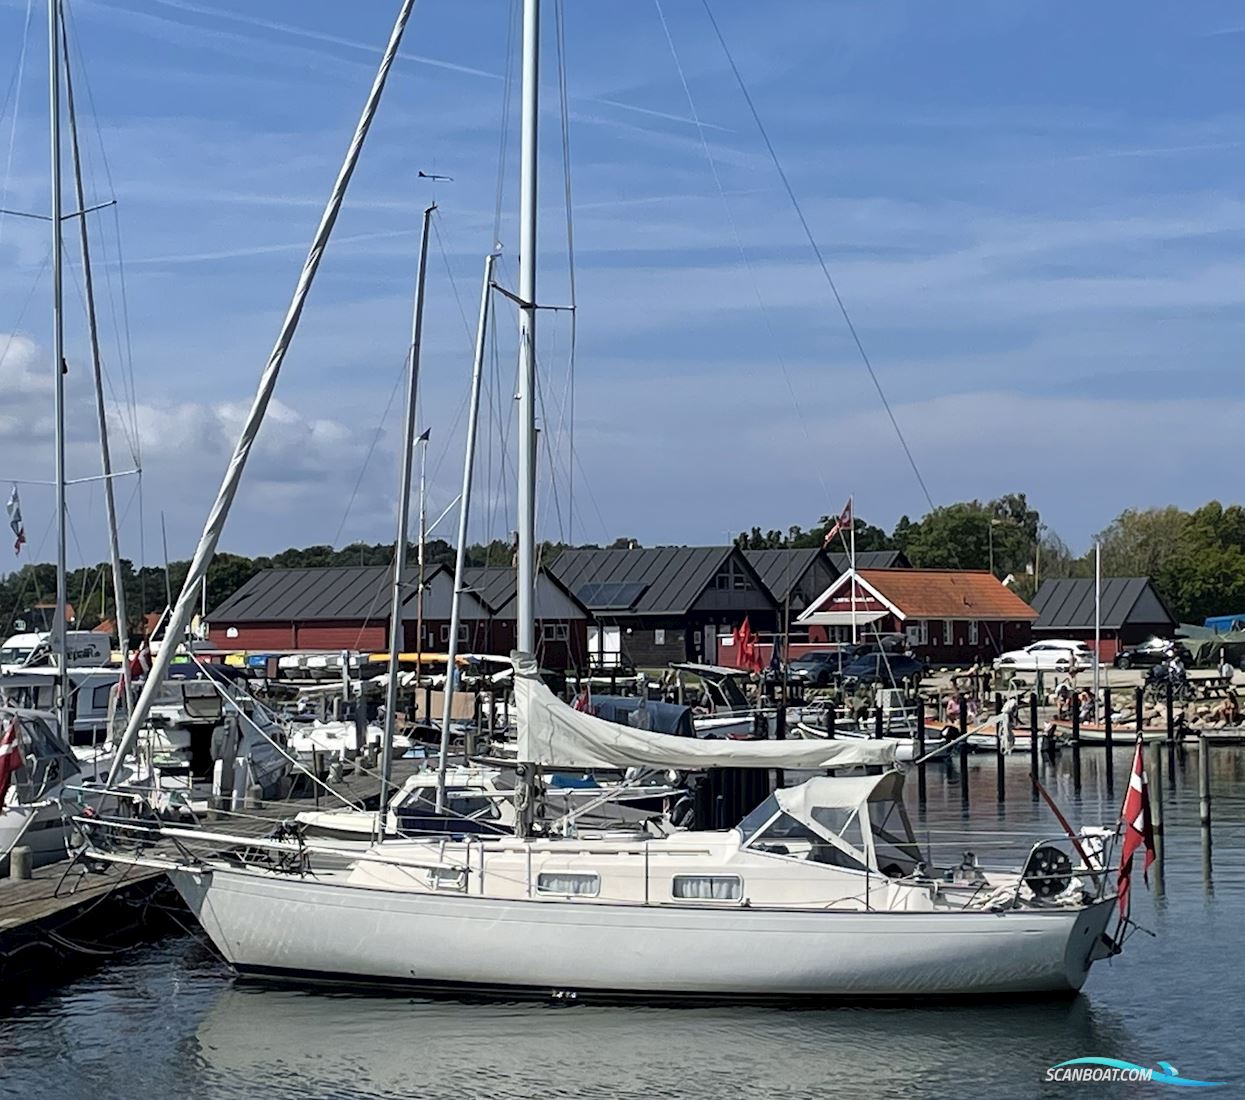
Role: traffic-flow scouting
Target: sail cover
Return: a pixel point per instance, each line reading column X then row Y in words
column 553, row 734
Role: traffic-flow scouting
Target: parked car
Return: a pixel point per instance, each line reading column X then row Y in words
column 888, row 669
column 1151, row 652
column 1053, row 655
column 821, row 668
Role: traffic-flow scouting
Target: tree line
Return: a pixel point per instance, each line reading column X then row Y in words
column 1195, row 559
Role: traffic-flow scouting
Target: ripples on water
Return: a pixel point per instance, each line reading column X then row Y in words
column 168, row 1021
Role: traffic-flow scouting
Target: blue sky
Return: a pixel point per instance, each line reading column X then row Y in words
column 1033, row 214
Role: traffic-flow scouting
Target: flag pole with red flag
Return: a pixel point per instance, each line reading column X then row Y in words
column 1137, row 825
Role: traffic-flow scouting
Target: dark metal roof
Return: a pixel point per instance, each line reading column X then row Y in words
column 1067, row 603
column 781, row 570
column 360, row 593
column 669, row 579
column 871, row 559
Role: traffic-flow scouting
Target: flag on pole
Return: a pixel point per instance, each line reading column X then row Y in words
column 14, row 509
column 583, row 701
column 748, row 656
column 1138, row 828
column 140, row 660
column 10, row 757
column 843, row 523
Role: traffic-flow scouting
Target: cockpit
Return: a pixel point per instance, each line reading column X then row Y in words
column 858, row 823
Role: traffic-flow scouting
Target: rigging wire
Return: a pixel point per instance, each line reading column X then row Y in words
column 825, row 269
column 14, row 94
column 739, row 245
column 503, row 138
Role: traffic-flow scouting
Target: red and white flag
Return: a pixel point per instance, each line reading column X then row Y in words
column 747, row 656
column 583, row 701
column 843, row 523
column 140, row 660
column 10, row 757
column 1138, row 829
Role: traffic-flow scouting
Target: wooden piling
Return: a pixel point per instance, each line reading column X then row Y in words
column 1033, row 740
column 1106, row 739
column 1000, row 774
column 1171, row 720
column 1155, row 785
column 1139, row 707
column 879, row 723
column 920, row 751
column 1076, row 745
column 1203, row 780
column 963, row 750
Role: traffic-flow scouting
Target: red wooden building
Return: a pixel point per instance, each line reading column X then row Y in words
column 947, row 615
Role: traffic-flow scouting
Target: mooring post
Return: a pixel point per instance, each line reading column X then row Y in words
column 1034, row 734
column 1156, row 817
column 1000, row 774
column 21, row 861
column 920, row 751
column 1155, row 786
column 1171, row 718
column 1106, row 739
column 1076, row 746
column 879, row 721
column 1203, row 780
column 963, row 750
column 830, row 718
column 1139, row 707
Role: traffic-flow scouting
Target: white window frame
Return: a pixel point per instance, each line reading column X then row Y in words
column 948, row 632
column 736, row 879
column 582, row 875
column 555, row 632
column 659, row 635
column 974, row 635
column 917, row 632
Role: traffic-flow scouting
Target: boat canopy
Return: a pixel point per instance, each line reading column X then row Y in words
column 857, row 822
column 46, row 759
column 553, row 734
column 650, row 714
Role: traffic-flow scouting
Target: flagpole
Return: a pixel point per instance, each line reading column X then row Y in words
column 851, row 527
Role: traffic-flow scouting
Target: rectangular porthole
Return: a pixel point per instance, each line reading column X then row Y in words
column 708, row 887
column 567, row 882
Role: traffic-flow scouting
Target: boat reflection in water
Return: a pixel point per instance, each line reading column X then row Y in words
column 257, row 1041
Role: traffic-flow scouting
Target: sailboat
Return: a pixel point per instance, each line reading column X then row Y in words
column 821, row 892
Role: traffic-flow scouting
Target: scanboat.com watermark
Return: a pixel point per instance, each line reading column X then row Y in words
column 1097, row 1070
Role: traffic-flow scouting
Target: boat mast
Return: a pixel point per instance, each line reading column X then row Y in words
column 179, row 616
column 464, row 512
column 110, row 500
column 399, row 545
column 525, row 603
column 58, row 363
column 420, row 550
column 526, row 597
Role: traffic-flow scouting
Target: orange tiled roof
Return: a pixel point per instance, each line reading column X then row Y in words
column 948, row 594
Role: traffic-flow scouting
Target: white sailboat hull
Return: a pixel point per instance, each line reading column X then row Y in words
column 297, row 929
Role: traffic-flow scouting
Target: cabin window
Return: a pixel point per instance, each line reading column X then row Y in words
column 708, row 887
column 568, row 882
column 100, row 696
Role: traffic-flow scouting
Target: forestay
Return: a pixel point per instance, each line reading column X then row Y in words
column 553, row 734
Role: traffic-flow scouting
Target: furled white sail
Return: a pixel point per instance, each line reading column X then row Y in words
column 553, row 734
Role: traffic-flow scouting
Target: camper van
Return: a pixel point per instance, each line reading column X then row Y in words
column 84, row 649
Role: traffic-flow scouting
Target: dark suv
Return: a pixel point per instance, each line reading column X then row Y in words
column 1151, row 652
column 886, row 669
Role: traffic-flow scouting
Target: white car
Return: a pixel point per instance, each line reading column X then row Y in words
column 1055, row 655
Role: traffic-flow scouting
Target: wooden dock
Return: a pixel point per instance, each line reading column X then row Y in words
column 71, row 915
